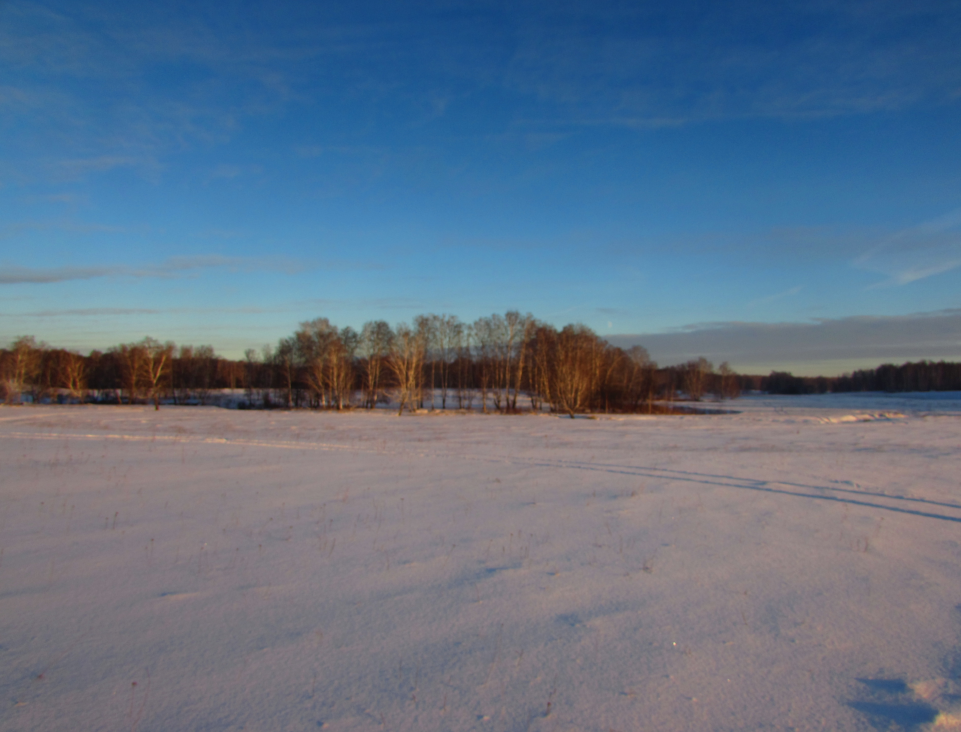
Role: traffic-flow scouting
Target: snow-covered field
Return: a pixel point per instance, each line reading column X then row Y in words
column 795, row 566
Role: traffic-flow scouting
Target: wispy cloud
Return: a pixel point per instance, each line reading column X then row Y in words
column 67, row 199
column 172, row 267
column 86, row 312
column 565, row 311
column 76, row 227
column 374, row 303
column 774, row 298
column 554, row 67
column 100, row 163
column 315, row 151
column 901, row 256
column 124, row 312
column 226, row 171
column 13, row 275
column 216, row 233
column 81, row 78
column 812, row 60
column 915, row 253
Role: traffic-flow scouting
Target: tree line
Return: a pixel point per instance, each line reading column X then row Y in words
column 500, row 363
column 910, row 376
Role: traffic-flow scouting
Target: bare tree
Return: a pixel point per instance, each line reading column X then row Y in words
column 184, row 374
column 606, row 362
column 442, row 334
column 542, row 353
column 464, row 367
column 502, row 342
column 574, row 369
column 426, row 326
column 695, row 374
column 72, row 369
column 640, row 384
column 193, row 373
column 285, row 360
column 21, row 366
column 448, row 336
column 406, row 362
column 487, row 337
column 341, row 368
column 130, row 356
column 205, row 374
column 105, row 374
column 145, row 366
column 376, row 339
column 730, row 385
column 519, row 329
column 156, row 366
column 251, row 373
column 230, row 373
column 328, row 358
column 314, row 341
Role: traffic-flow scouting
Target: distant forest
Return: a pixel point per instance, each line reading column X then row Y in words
column 435, row 362
column 916, row 376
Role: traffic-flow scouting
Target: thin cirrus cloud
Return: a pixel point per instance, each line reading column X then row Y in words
column 17, row 227
column 89, row 312
column 551, row 65
column 916, row 253
column 397, row 303
column 123, row 312
column 812, row 60
column 79, row 166
column 172, row 267
column 379, row 303
column 900, row 256
column 774, row 298
column 76, row 85
column 622, row 312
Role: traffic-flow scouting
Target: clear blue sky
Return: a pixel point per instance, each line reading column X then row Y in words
column 772, row 184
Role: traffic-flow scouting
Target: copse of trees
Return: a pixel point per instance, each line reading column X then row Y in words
column 500, row 363
column 434, row 362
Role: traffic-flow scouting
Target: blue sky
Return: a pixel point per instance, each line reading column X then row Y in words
column 773, row 184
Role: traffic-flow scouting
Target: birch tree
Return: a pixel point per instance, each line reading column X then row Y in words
column 72, row 370
column 156, row 366
column 340, row 369
column 485, row 359
column 449, row 335
column 376, row 340
column 406, row 363
column 130, row 356
column 314, row 346
column 464, row 367
column 21, row 364
column 730, row 387
column 285, row 361
column 694, row 377
column 426, row 326
column 519, row 330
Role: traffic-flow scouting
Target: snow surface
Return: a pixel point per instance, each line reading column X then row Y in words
column 794, row 566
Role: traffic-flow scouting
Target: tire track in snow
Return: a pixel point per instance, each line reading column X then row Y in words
column 716, row 479
column 765, row 486
column 721, row 481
